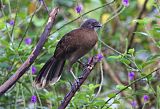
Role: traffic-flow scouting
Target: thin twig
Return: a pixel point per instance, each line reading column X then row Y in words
column 27, row 27
column 136, row 25
column 119, row 53
column 15, row 19
column 130, row 85
column 83, row 15
column 132, row 36
column 44, row 4
column 24, row 67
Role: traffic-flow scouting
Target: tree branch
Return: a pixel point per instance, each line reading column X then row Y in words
column 136, row 25
column 74, row 88
column 24, row 67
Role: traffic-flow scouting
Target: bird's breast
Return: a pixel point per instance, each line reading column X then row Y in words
column 88, row 39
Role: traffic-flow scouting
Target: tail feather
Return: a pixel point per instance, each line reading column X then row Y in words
column 55, row 72
column 50, row 72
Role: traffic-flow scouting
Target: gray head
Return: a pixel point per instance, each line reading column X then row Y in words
column 91, row 24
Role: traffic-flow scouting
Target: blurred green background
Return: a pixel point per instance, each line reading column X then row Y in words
column 19, row 33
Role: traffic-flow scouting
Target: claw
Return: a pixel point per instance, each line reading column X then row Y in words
column 77, row 82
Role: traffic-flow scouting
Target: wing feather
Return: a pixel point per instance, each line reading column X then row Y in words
column 67, row 45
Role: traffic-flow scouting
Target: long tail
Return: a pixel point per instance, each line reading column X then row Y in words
column 50, row 72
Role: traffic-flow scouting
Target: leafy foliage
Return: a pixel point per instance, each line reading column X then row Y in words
column 20, row 21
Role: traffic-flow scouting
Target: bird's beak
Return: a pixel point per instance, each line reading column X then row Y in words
column 98, row 25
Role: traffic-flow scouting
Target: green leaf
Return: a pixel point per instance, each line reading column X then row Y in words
column 157, row 56
column 157, row 16
column 114, row 57
column 59, row 98
column 158, row 43
column 116, row 102
column 152, row 59
column 92, row 86
column 120, row 87
column 140, row 92
column 38, row 22
column 4, row 43
column 28, row 89
column 4, row 65
column 147, row 63
column 111, row 95
column 2, row 59
column 142, row 21
column 150, row 77
column 98, row 102
column 131, row 51
column 142, row 33
column 125, row 61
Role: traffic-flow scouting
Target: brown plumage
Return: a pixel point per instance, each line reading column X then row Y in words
column 71, row 47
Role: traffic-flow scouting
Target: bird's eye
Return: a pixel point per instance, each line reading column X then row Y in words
column 94, row 23
column 89, row 23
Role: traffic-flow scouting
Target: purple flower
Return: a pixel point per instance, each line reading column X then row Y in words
column 99, row 56
column 125, row 2
column 11, row 22
column 131, row 75
column 40, row 1
column 146, row 98
column 34, row 69
column 134, row 103
column 28, row 41
column 33, row 99
column 79, row 8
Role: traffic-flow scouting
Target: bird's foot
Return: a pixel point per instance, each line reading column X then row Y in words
column 80, row 77
column 76, row 79
column 67, row 95
column 75, row 85
column 77, row 82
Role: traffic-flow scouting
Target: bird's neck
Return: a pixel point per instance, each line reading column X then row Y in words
column 89, row 28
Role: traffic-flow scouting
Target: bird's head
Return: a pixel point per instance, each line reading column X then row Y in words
column 91, row 24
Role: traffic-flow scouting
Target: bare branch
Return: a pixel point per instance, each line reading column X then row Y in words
column 24, row 67
column 74, row 88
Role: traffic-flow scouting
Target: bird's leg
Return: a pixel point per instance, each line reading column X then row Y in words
column 71, row 71
column 76, row 79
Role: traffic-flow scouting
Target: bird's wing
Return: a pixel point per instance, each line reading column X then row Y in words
column 68, row 44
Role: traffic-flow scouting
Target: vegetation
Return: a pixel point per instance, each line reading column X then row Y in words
column 127, row 77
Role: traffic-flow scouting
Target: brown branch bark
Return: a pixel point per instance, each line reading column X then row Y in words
column 74, row 88
column 132, row 34
column 24, row 67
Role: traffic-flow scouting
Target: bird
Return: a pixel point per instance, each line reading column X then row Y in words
column 71, row 47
